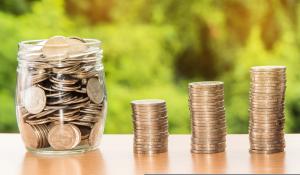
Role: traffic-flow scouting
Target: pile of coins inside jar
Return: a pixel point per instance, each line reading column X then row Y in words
column 266, row 110
column 206, row 104
column 61, row 98
column 150, row 123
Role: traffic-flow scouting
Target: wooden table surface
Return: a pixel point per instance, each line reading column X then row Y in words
column 115, row 156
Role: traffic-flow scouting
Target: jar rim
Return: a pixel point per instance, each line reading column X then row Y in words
column 40, row 42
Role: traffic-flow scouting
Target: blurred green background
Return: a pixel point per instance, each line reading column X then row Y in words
column 153, row 48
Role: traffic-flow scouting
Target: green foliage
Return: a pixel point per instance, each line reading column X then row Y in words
column 153, row 49
column 16, row 7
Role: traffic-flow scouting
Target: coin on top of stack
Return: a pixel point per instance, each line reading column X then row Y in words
column 150, row 122
column 266, row 109
column 206, row 104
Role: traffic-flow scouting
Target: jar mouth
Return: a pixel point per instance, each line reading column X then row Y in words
column 41, row 42
column 39, row 51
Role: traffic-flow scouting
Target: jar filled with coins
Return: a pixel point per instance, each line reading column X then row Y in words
column 60, row 95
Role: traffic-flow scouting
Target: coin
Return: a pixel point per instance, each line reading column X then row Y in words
column 207, row 84
column 150, row 151
column 95, row 90
column 34, row 100
column 207, row 151
column 266, row 151
column 76, row 45
column 29, row 136
column 94, row 137
column 148, row 103
column 62, row 137
column 57, row 45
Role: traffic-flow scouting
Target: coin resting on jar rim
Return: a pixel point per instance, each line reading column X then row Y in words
column 60, row 45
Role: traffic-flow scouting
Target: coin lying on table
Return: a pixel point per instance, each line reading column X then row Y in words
column 64, row 136
column 34, row 99
column 95, row 90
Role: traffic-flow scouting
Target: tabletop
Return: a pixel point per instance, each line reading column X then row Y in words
column 115, row 156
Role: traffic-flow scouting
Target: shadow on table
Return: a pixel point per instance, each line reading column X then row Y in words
column 157, row 163
column 210, row 163
column 268, row 163
column 80, row 164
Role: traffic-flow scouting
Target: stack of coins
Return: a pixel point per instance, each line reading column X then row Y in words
column 150, row 123
column 206, row 104
column 266, row 110
column 61, row 99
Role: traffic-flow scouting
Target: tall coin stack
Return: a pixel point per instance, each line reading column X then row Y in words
column 206, row 104
column 266, row 110
column 150, row 123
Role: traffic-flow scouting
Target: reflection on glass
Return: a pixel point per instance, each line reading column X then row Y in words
column 209, row 163
column 268, row 163
column 158, row 163
column 80, row 164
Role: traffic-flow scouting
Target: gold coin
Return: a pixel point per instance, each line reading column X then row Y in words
column 34, row 99
column 95, row 90
column 64, row 136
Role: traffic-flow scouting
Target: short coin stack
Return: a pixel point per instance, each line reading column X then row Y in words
column 150, row 123
column 206, row 103
column 266, row 120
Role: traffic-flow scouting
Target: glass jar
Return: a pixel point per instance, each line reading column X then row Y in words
column 61, row 98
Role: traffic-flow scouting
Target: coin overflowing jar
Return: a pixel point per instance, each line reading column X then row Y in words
column 266, row 109
column 60, row 95
column 150, row 122
column 206, row 104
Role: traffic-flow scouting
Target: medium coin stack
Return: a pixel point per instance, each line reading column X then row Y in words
column 266, row 109
column 206, row 104
column 60, row 93
column 150, row 124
